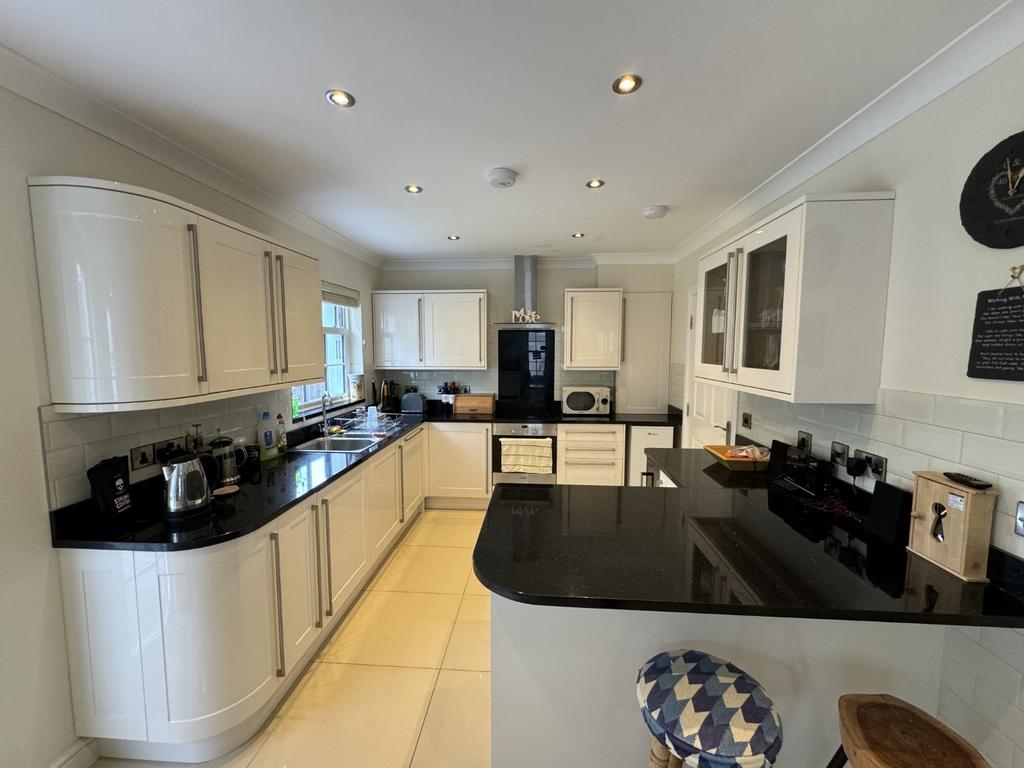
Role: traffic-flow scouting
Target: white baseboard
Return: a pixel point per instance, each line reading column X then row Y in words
column 81, row 754
column 441, row 502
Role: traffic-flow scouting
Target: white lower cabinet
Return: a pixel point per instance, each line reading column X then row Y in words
column 640, row 439
column 383, row 501
column 591, row 454
column 297, row 567
column 342, row 505
column 414, row 474
column 460, row 459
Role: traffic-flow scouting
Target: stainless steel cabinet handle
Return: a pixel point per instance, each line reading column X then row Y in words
column 419, row 312
column 737, row 333
column 330, row 565
column 600, row 462
column 276, row 543
column 727, row 326
column 284, row 317
column 622, row 338
column 570, row 351
column 401, row 482
column 319, row 577
column 193, row 231
column 483, row 328
column 273, row 310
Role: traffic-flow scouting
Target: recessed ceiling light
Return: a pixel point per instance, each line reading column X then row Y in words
column 340, row 98
column 454, row 237
column 577, row 235
column 595, row 183
column 627, row 83
column 413, row 189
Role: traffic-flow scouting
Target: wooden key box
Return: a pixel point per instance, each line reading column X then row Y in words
column 951, row 525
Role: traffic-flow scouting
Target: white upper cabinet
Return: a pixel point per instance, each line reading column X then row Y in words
column 149, row 302
column 398, row 329
column 442, row 330
column 795, row 308
column 593, row 329
column 236, row 275
column 117, row 279
column 641, row 385
column 455, row 329
column 301, row 332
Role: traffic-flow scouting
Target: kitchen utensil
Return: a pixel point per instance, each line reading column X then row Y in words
column 229, row 457
column 187, row 487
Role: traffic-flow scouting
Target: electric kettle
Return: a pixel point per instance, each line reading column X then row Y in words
column 187, row 489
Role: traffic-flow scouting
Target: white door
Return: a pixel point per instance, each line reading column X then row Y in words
column 715, row 315
column 298, row 570
column 455, row 330
column 383, row 501
column 767, row 276
column 398, row 330
column 593, row 329
column 413, row 479
column 460, row 460
column 640, row 439
column 208, row 620
column 343, row 508
column 712, row 414
column 236, row 277
column 641, row 384
column 299, row 315
column 117, row 281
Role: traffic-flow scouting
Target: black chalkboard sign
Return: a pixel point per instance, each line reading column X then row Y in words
column 997, row 344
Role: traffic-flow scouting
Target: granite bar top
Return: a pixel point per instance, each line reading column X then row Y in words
column 281, row 484
column 711, row 548
column 629, row 419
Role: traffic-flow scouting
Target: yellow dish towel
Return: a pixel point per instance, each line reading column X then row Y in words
column 531, row 455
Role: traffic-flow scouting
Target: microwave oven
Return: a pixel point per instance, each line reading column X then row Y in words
column 586, row 401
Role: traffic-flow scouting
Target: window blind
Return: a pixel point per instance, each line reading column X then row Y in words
column 339, row 294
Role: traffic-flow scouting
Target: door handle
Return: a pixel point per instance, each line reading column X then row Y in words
column 736, row 334
column 728, row 431
column 330, row 564
column 726, row 325
column 319, row 577
column 622, row 337
column 419, row 313
column 284, row 316
column 193, row 231
column 273, row 309
column 275, row 542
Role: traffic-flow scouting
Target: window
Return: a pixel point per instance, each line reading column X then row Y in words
column 341, row 345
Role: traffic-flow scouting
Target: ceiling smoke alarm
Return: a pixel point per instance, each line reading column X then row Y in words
column 655, row 211
column 501, row 177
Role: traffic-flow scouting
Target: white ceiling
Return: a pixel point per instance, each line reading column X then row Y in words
column 733, row 91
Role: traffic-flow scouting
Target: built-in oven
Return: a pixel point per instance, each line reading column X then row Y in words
column 524, row 454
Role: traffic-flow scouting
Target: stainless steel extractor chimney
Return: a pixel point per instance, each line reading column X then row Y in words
column 524, row 292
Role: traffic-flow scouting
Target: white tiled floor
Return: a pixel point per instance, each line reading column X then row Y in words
column 405, row 682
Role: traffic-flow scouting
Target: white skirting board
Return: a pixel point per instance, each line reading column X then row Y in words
column 563, row 680
column 440, row 502
column 81, row 754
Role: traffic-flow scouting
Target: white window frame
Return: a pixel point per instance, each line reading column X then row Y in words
column 312, row 407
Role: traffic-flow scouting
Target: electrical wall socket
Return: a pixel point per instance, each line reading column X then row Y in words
column 167, row 448
column 840, row 453
column 804, row 441
column 142, row 456
column 878, row 466
column 1018, row 526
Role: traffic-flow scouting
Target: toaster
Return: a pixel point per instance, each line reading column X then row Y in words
column 414, row 402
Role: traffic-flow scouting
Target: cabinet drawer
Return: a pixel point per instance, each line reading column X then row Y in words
column 588, row 471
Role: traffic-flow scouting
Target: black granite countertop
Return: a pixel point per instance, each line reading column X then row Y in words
column 710, row 548
column 629, row 419
column 281, row 484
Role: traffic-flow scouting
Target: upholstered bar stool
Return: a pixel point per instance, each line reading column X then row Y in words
column 704, row 712
column 880, row 731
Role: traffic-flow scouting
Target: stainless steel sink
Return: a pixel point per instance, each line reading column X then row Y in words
column 340, row 444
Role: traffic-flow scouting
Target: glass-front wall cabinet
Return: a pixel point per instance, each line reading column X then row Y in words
column 713, row 316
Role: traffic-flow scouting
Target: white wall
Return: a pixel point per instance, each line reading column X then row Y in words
column 35, row 708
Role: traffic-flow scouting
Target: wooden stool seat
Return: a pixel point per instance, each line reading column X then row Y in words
column 881, row 731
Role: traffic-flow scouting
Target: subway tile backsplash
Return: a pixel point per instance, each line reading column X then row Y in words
column 982, row 675
column 73, row 443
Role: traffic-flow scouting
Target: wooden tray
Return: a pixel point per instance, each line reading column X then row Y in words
column 735, row 465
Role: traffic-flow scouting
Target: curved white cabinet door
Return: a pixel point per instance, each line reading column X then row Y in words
column 236, row 274
column 398, row 330
column 301, row 331
column 343, row 508
column 117, row 282
column 455, row 330
column 383, row 501
column 298, row 561
column 209, row 627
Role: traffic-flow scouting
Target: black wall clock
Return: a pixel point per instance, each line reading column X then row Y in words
column 992, row 202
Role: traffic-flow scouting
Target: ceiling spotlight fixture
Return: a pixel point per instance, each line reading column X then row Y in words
column 413, row 189
column 595, row 183
column 340, row 98
column 501, row 177
column 454, row 237
column 627, row 83
column 577, row 235
column 655, row 211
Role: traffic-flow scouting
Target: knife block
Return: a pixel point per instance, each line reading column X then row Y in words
column 951, row 525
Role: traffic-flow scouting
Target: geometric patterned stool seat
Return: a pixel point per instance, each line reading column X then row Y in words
column 707, row 712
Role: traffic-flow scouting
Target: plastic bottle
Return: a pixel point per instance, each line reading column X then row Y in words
column 267, row 438
column 282, row 434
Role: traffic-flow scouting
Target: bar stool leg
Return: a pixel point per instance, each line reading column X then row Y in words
column 838, row 759
column 659, row 755
column 674, row 762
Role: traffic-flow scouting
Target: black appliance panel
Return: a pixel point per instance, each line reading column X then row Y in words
column 526, row 370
